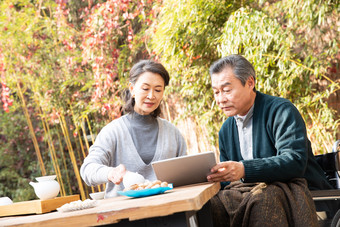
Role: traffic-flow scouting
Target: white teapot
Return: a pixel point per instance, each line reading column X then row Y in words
column 46, row 187
column 5, row 201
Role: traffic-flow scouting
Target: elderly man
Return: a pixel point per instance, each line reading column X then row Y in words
column 264, row 153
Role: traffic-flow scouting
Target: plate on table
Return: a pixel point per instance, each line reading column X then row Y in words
column 145, row 192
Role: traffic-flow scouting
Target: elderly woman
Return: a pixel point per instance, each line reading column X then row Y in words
column 133, row 141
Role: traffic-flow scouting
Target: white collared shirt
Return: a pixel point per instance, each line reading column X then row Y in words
column 245, row 133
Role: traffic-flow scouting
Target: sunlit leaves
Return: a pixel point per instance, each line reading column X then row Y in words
column 270, row 47
column 185, row 40
column 278, row 38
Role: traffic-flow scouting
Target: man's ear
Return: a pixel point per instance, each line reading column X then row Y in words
column 251, row 82
column 131, row 89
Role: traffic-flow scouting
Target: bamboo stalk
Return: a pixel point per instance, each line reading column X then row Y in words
column 65, row 164
column 72, row 156
column 53, row 152
column 83, row 152
column 85, row 138
column 87, row 145
column 30, row 126
column 90, row 129
column 92, row 138
column 81, row 146
column 77, row 149
column 53, row 156
column 76, row 128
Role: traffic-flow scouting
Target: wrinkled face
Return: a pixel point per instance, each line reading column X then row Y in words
column 148, row 92
column 230, row 95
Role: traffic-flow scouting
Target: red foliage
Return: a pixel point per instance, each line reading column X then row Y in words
column 5, row 91
column 110, row 31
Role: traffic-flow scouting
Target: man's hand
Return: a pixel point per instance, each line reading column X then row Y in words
column 227, row 171
column 116, row 174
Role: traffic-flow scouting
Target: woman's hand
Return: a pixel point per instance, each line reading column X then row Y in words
column 226, row 171
column 116, row 174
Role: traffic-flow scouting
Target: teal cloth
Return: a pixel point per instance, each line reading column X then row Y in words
column 281, row 149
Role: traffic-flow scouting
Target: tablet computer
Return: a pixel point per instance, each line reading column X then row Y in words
column 184, row 170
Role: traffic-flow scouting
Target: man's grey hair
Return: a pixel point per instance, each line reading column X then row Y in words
column 241, row 67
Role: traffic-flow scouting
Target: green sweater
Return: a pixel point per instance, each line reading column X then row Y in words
column 281, row 149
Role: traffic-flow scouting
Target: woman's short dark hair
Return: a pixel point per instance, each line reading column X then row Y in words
column 137, row 70
column 241, row 67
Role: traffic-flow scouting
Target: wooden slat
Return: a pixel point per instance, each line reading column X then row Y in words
column 36, row 206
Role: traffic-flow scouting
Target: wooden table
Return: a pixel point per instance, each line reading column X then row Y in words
column 182, row 206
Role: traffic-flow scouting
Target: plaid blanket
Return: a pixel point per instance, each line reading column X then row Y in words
column 275, row 204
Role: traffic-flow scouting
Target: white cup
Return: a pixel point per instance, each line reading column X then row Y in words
column 5, row 201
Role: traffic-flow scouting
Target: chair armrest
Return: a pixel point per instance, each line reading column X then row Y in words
column 330, row 194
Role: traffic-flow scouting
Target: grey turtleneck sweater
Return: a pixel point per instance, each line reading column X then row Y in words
column 143, row 130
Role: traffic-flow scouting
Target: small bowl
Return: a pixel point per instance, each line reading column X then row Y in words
column 97, row 195
column 46, row 178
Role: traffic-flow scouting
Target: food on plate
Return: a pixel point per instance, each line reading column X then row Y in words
column 147, row 185
column 131, row 178
column 77, row 205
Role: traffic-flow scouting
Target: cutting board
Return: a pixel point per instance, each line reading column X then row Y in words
column 36, row 206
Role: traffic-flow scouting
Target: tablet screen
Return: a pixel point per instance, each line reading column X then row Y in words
column 185, row 170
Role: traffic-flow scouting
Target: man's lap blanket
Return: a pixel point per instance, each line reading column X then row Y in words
column 260, row 204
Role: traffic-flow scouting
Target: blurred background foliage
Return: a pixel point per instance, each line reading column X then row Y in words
column 63, row 65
